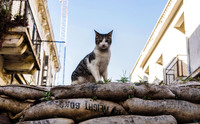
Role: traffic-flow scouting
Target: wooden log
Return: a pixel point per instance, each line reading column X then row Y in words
column 186, row 93
column 76, row 109
column 132, row 119
column 23, row 92
column 12, row 105
column 183, row 111
column 111, row 91
column 49, row 121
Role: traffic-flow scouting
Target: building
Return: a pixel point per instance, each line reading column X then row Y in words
column 173, row 48
column 28, row 53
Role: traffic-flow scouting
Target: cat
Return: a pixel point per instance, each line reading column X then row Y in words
column 94, row 66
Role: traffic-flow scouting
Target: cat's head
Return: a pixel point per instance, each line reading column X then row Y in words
column 103, row 41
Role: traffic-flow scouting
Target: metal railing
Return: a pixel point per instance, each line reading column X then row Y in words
column 21, row 15
column 176, row 69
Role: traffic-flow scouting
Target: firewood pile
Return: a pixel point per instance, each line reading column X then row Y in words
column 138, row 103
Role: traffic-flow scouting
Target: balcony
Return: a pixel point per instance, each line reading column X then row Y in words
column 18, row 51
column 177, row 69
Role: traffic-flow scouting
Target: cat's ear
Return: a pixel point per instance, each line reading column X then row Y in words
column 110, row 33
column 96, row 32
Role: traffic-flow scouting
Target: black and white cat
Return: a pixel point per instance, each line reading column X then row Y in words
column 94, row 66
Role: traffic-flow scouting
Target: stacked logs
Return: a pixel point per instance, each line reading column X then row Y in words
column 101, row 103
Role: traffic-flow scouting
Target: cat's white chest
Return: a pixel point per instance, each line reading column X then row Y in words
column 101, row 61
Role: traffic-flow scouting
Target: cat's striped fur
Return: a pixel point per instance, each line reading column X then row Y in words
column 94, row 66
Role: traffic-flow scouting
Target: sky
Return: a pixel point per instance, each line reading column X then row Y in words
column 132, row 22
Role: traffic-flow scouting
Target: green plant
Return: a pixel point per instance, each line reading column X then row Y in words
column 146, row 98
column 94, row 98
column 140, row 78
column 5, row 20
column 176, row 97
column 20, row 20
column 100, row 82
column 191, row 79
column 29, row 82
column 46, row 95
column 137, row 83
column 108, row 80
column 132, row 87
column 142, row 82
column 124, row 78
column 130, row 96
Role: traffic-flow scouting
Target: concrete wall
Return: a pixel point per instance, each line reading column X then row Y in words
column 171, row 43
column 192, row 20
column 180, row 37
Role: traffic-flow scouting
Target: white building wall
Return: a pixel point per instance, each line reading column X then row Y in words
column 171, row 44
column 192, row 17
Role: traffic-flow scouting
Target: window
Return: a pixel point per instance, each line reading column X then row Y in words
column 45, row 70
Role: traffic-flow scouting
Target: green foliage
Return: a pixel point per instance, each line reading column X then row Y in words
column 130, row 96
column 108, row 80
column 191, row 79
column 132, row 87
column 105, row 81
column 176, row 97
column 147, row 84
column 29, row 82
column 141, row 82
column 124, row 78
column 146, row 98
column 137, row 83
column 47, row 95
column 20, row 20
column 140, row 78
column 94, row 98
column 5, row 20
column 100, row 82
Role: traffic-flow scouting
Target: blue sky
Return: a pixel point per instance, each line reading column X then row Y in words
column 132, row 22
